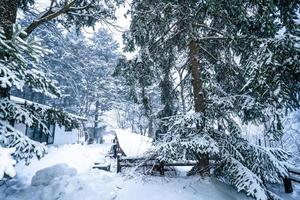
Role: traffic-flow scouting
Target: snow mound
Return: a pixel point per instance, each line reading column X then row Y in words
column 92, row 185
column 80, row 157
column 80, row 187
column 100, row 185
column 133, row 144
column 45, row 176
column 7, row 162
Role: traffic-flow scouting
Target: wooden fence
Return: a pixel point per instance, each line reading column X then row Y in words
column 123, row 161
column 294, row 175
column 160, row 167
column 154, row 163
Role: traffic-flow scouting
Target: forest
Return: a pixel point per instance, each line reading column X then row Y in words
column 212, row 82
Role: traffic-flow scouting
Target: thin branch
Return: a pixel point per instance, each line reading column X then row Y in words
column 208, row 53
column 47, row 16
column 209, row 28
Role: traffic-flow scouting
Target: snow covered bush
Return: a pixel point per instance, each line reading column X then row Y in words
column 17, row 65
column 291, row 138
column 25, row 148
column 7, row 162
column 244, row 165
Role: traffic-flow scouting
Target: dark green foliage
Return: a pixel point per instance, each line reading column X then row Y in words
column 25, row 4
column 248, row 53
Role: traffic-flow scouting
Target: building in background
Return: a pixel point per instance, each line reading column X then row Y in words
column 59, row 135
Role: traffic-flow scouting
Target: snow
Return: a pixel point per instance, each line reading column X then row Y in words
column 66, row 173
column 95, row 185
column 46, row 175
column 80, row 157
column 133, row 144
column 7, row 162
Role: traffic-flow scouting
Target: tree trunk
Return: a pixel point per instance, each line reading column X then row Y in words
column 180, row 73
column 203, row 159
column 150, row 130
column 96, row 122
column 196, row 79
column 8, row 15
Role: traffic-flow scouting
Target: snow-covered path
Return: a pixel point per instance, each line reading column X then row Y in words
column 93, row 184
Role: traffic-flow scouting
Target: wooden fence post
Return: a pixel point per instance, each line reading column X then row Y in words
column 287, row 185
column 162, row 168
column 115, row 150
column 118, row 165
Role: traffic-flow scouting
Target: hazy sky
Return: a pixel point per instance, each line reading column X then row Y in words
column 124, row 23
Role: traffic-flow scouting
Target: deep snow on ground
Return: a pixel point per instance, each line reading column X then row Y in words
column 76, row 180
column 81, row 157
column 100, row 185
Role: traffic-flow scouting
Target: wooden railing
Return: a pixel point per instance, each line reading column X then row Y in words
column 154, row 163
column 102, row 166
column 294, row 175
column 117, row 152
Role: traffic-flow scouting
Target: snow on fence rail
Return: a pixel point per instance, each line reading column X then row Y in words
column 154, row 163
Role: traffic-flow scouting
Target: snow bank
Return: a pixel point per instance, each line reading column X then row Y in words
column 60, row 181
column 92, row 185
column 80, row 157
column 96, row 184
column 133, row 144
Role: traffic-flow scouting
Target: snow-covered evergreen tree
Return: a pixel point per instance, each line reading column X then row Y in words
column 238, row 68
column 18, row 68
column 141, row 83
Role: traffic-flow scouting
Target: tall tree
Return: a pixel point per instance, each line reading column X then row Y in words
column 222, row 42
column 19, row 58
column 76, row 12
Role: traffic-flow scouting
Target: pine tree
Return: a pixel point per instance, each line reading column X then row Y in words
column 232, row 68
column 19, row 57
column 138, row 76
column 18, row 68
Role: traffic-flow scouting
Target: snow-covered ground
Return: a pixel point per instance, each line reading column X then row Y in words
column 80, row 157
column 76, row 180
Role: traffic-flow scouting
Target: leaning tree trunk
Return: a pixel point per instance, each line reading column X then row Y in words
column 203, row 159
column 8, row 15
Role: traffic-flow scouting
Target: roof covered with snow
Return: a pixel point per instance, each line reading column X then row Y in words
column 133, row 144
column 22, row 101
